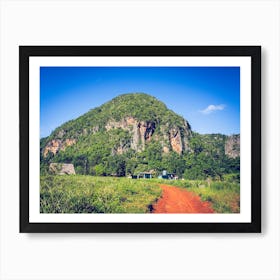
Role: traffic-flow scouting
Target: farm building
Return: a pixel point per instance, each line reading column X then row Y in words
column 62, row 168
column 144, row 175
column 169, row 176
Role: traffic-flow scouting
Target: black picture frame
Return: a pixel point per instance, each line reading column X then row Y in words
column 254, row 52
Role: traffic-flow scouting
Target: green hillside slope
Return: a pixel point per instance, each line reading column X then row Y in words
column 136, row 132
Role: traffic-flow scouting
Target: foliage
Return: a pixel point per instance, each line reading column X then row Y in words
column 140, row 106
column 88, row 194
column 97, row 149
column 207, row 158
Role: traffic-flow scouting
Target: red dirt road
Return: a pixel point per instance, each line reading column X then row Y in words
column 176, row 200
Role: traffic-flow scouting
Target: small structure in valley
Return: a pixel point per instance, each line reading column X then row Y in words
column 169, row 176
column 62, row 168
column 144, row 175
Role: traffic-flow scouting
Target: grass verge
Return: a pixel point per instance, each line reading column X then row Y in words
column 88, row 194
column 223, row 195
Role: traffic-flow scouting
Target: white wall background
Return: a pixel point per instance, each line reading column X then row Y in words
column 139, row 256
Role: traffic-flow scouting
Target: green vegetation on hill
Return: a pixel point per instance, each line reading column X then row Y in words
column 141, row 106
column 103, row 152
column 207, row 158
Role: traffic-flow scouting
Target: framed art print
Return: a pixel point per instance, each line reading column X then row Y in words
column 140, row 138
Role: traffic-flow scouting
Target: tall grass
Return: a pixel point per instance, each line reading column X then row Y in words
column 87, row 194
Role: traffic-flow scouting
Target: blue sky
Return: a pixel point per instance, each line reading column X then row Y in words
column 208, row 97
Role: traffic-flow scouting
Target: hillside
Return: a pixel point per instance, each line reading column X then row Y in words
column 136, row 132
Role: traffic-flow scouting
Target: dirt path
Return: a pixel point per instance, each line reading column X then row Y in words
column 176, row 200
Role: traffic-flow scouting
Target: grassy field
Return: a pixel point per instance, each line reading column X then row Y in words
column 88, row 194
column 91, row 194
column 223, row 195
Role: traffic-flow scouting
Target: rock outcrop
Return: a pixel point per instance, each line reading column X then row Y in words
column 232, row 146
column 55, row 145
column 176, row 140
column 142, row 132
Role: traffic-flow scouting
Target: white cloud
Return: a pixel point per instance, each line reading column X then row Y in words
column 211, row 108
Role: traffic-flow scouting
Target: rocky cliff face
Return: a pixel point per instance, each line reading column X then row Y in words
column 55, row 145
column 175, row 139
column 172, row 138
column 232, row 146
column 142, row 132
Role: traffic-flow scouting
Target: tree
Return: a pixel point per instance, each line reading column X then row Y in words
column 116, row 165
column 174, row 163
column 99, row 170
column 131, row 164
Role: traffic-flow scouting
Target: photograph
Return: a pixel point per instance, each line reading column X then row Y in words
column 140, row 140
